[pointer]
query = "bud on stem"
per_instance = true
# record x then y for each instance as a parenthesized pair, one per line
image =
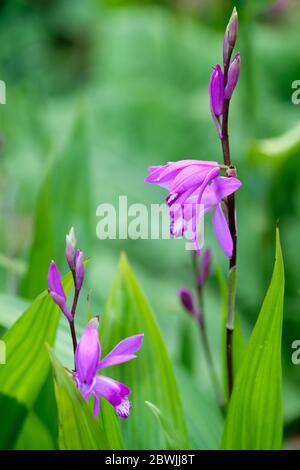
(71, 245)
(233, 76)
(230, 37)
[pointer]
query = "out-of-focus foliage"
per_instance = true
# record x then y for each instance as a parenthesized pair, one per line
(150, 377)
(95, 94)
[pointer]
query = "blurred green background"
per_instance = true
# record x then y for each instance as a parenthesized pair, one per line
(99, 90)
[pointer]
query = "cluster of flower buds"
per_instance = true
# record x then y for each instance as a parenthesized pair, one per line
(75, 261)
(222, 84)
(185, 295)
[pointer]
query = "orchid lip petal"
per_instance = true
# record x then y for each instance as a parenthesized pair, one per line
(115, 393)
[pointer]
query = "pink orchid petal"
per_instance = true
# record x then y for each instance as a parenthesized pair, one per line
(123, 352)
(224, 186)
(190, 176)
(222, 232)
(88, 353)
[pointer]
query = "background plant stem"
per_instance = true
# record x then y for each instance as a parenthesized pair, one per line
(204, 338)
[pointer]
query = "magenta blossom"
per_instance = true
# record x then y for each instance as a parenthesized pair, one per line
(88, 363)
(196, 188)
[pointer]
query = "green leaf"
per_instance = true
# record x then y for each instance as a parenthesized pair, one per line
(172, 436)
(34, 435)
(13, 414)
(203, 416)
(27, 361)
(254, 420)
(278, 149)
(78, 428)
(111, 425)
(53, 221)
(150, 376)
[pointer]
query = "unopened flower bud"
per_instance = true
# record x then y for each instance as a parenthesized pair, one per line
(216, 91)
(56, 290)
(233, 76)
(71, 245)
(79, 269)
(205, 267)
(230, 36)
(186, 299)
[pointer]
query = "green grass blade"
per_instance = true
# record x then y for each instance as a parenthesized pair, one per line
(254, 420)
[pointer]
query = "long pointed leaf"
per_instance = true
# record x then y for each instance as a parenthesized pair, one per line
(254, 420)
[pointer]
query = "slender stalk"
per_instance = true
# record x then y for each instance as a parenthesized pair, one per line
(204, 338)
(233, 232)
(73, 312)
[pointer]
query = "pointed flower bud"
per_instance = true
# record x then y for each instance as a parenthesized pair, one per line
(56, 290)
(186, 299)
(71, 245)
(233, 76)
(216, 91)
(79, 269)
(230, 36)
(204, 268)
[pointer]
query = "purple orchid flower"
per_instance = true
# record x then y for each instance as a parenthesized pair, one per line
(88, 363)
(191, 184)
(56, 290)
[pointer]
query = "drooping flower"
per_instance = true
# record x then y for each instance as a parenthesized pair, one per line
(196, 188)
(56, 290)
(88, 363)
